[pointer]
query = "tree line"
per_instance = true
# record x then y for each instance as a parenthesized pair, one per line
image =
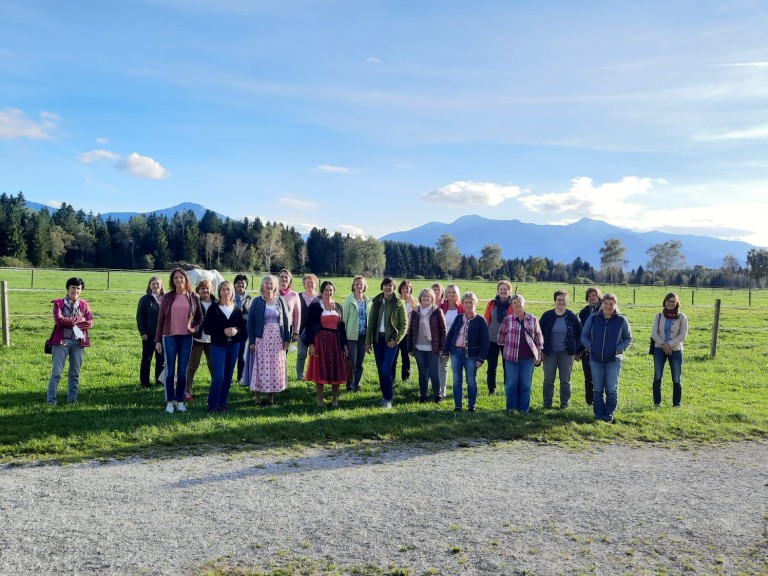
(70, 238)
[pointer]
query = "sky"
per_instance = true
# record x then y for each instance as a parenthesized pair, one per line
(369, 117)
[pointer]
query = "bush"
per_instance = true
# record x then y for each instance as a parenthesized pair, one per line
(11, 262)
(502, 277)
(478, 278)
(418, 277)
(529, 279)
(582, 280)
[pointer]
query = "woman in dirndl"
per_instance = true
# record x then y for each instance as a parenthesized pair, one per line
(326, 340)
(269, 335)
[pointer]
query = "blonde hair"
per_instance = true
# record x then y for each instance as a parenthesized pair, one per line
(427, 292)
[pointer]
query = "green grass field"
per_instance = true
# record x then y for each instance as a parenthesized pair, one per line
(723, 398)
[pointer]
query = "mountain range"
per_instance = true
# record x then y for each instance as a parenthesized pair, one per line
(198, 209)
(582, 239)
(565, 243)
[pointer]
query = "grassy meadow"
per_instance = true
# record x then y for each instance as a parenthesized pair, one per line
(724, 397)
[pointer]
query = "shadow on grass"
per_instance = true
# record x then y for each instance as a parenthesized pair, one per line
(125, 420)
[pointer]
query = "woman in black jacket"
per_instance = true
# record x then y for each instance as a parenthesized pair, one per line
(562, 340)
(326, 339)
(146, 320)
(225, 324)
(594, 297)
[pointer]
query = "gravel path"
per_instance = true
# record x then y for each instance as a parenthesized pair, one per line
(509, 508)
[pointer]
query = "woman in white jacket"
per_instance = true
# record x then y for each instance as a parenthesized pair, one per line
(669, 331)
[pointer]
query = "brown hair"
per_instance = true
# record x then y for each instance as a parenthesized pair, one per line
(187, 281)
(149, 289)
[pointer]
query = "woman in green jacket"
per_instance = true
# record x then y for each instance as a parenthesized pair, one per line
(387, 326)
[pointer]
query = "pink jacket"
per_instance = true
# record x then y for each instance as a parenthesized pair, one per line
(84, 322)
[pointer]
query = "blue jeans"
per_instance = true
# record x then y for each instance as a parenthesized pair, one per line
(67, 349)
(427, 362)
(517, 384)
(176, 347)
(384, 357)
(223, 362)
(460, 362)
(605, 378)
(676, 367)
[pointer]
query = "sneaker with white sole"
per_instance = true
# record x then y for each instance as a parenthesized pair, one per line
(180, 407)
(169, 407)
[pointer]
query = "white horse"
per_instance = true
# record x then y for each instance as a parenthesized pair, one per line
(197, 274)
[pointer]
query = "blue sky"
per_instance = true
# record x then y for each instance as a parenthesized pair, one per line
(371, 117)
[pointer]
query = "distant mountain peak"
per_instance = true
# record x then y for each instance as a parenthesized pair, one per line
(564, 243)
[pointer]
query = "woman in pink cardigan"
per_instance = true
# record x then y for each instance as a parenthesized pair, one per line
(72, 319)
(181, 314)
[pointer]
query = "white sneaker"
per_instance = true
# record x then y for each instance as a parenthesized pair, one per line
(169, 407)
(386, 405)
(180, 407)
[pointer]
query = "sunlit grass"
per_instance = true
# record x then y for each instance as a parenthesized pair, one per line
(723, 398)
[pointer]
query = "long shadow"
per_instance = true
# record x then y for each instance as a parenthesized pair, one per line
(134, 417)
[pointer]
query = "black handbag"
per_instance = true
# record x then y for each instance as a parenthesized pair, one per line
(48, 348)
(652, 345)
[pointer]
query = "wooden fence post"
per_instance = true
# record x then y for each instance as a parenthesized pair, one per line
(715, 328)
(6, 323)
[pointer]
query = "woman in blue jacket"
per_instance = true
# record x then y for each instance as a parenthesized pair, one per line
(606, 336)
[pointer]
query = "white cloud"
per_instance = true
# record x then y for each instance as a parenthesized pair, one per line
(299, 203)
(53, 204)
(102, 140)
(373, 60)
(713, 209)
(15, 124)
(144, 167)
(328, 168)
(304, 228)
(744, 65)
(756, 133)
(93, 155)
(603, 202)
(351, 230)
(471, 193)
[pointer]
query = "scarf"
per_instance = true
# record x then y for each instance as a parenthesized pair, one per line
(285, 292)
(671, 314)
(69, 310)
(425, 314)
(501, 308)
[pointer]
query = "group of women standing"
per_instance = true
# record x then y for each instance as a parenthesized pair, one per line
(437, 327)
